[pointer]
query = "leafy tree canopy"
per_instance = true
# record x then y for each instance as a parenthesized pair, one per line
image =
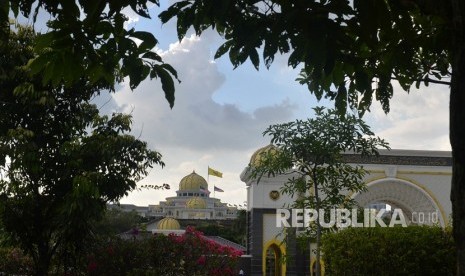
(61, 161)
(88, 39)
(348, 51)
(116, 221)
(314, 150)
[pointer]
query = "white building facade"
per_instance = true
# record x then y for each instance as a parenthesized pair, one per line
(417, 182)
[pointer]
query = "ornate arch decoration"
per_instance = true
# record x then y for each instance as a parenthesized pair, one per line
(412, 198)
(279, 251)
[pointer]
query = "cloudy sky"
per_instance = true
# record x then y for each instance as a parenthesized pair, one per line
(220, 113)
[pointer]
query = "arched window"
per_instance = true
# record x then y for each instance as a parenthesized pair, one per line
(273, 261)
(313, 267)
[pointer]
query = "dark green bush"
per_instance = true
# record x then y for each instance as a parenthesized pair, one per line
(413, 250)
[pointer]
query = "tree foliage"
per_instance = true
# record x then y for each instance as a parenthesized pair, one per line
(89, 39)
(348, 51)
(314, 149)
(61, 161)
(116, 221)
(236, 232)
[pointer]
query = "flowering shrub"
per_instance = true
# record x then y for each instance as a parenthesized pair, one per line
(187, 254)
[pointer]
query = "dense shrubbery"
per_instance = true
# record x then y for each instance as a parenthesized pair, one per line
(188, 254)
(414, 250)
(13, 261)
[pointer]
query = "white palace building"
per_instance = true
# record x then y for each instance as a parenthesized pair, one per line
(192, 201)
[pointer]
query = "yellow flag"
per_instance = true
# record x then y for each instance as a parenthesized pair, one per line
(214, 172)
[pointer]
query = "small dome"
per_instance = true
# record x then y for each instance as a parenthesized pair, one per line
(196, 203)
(192, 182)
(168, 224)
(259, 154)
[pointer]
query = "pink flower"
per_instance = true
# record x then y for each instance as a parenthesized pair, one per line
(202, 260)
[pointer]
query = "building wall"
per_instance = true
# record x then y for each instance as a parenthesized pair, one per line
(427, 172)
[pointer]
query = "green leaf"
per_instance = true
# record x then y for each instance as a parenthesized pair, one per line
(296, 57)
(173, 11)
(43, 41)
(148, 40)
(170, 69)
(140, 9)
(167, 83)
(338, 73)
(74, 71)
(93, 9)
(254, 58)
(134, 68)
(223, 49)
(58, 70)
(341, 100)
(105, 28)
(365, 102)
(37, 64)
(152, 55)
(269, 51)
(48, 73)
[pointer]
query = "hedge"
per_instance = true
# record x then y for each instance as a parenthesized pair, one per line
(413, 250)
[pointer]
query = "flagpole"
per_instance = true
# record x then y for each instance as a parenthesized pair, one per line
(208, 178)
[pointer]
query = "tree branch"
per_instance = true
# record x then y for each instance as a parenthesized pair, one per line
(429, 80)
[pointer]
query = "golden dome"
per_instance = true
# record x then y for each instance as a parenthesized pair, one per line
(260, 154)
(196, 203)
(168, 224)
(192, 182)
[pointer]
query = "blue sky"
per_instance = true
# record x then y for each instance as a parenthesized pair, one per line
(220, 113)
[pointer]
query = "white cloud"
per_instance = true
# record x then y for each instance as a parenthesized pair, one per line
(196, 121)
(132, 16)
(417, 120)
(198, 132)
